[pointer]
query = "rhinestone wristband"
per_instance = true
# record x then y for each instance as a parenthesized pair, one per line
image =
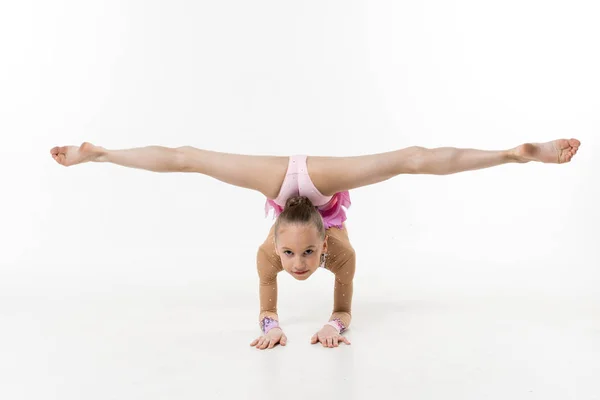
(338, 325)
(266, 324)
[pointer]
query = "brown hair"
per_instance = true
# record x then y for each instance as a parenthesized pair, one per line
(300, 210)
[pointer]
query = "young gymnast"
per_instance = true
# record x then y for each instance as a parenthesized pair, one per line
(308, 196)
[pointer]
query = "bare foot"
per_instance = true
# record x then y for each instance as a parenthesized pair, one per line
(557, 151)
(71, 155)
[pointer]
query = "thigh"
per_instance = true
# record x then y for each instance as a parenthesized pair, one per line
(331, 175)
(264, 174)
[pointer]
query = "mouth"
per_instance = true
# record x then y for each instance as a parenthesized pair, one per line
(301, 272)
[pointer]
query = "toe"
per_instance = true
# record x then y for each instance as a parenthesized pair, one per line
(564, 144)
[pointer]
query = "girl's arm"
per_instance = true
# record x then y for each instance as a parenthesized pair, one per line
(330, 334)
(342, 295)
(341, 261)
(267, 274)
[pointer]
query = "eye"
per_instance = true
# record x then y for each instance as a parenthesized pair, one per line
(309, 251)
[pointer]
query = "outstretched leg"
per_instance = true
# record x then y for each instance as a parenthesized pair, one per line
(335, 174)
(264, 174)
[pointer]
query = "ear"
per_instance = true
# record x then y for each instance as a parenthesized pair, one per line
(325, 246)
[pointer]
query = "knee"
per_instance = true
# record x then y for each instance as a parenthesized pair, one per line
(182, 159)
(415, 159)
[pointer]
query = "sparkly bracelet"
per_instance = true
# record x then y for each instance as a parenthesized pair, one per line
(266, 324)
(338, 325)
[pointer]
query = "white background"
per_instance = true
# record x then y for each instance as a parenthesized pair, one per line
(125, 284)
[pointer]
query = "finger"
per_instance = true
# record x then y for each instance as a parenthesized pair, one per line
(272, 343)
(344, 339)
(335, 341)
(54, 150)
(265, 343)
(323, 341)
(283, 340)
(329, 342)
(254, 342)
(313, 339)
(260, 342)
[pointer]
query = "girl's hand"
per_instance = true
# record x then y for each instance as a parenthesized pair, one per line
(269, 340)
(329, 337)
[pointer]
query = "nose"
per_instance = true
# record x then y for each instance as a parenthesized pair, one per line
(299, 267)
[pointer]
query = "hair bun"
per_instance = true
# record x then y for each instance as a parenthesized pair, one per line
(300, 210)
(297, 201)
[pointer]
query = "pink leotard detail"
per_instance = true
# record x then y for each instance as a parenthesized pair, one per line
(297, 182)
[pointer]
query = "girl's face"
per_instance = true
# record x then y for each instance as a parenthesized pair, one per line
(300, 247)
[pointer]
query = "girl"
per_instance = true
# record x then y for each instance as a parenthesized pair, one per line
(308, 196)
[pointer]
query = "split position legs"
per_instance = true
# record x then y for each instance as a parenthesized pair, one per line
(265, 174)
(335, 174)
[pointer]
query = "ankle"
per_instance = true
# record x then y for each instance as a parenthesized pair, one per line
(514, 155)
(101, 155)
(511, 155)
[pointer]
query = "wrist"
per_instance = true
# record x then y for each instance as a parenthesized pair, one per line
(337, 324)
(268, 323)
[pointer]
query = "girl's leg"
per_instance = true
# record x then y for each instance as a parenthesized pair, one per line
(335, 174)
(264, 174)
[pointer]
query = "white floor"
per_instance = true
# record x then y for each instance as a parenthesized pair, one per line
(193, 343)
